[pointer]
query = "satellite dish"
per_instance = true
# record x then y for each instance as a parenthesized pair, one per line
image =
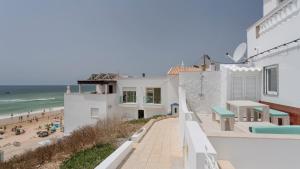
(239, 52)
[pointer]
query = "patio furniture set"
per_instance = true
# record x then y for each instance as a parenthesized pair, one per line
(253, 111)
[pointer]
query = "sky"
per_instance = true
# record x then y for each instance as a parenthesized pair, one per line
(61, 41)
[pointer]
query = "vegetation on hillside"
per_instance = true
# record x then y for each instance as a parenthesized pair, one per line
(103, 133)
(89, 158)
(144, 120)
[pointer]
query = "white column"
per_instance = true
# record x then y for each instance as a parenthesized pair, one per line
(79, 88)
(98, 89)
(105, 88)
(68, 90)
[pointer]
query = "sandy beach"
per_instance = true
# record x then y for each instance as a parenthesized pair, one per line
(31, 123)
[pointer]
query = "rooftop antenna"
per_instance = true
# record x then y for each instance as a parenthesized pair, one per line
(239, 52)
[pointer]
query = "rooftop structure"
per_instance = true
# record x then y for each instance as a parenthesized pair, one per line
(180, 69)
(101, 78)
(121, 98)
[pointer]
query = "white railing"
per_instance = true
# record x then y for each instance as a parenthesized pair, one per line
(117, 157)
(276, 17)
(201, 154)
(210, 162)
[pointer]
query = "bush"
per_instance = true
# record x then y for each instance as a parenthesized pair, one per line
(143, 121)
(103, 133)
(89, 158)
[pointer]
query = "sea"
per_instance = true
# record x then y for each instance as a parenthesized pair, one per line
(20, 99)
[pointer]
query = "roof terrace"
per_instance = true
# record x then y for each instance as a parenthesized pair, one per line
(241, 129)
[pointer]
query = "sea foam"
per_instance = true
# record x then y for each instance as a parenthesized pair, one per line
(26, 100)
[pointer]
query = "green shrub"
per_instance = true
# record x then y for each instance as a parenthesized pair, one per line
(143, 121)
(139, 121)
(104, 132)
(89, 158)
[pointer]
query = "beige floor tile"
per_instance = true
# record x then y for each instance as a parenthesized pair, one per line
(159, 148)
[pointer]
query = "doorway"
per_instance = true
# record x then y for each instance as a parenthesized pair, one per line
(140, 114)
(174, 108)
(110, 89)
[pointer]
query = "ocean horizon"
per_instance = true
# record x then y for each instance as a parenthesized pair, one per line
(16, 99)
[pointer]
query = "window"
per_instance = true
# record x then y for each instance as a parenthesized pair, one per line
(153, 95)
(271, 80)
(94, 113)
(129, 95)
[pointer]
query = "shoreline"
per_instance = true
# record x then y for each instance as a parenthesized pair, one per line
(31, 124)
(7, 119)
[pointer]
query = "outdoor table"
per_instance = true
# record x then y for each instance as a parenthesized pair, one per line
(239, 107)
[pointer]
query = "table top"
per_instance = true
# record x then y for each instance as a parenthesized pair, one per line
(246, 103)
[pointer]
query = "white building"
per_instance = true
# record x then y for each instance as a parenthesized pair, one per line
(274, 46)
(270, 76)
(122, 98)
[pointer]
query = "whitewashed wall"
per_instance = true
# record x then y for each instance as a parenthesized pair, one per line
(78, 109)
(280, 33)
(173, 84)
(258, 153)
(211, 90)
(289, 82)
(131, 110)
(286, 57)
(112, 109)
(269, 5)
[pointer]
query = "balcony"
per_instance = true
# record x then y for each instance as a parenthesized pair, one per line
(276, 17)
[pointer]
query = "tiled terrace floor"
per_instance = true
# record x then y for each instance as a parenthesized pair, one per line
(159, 149)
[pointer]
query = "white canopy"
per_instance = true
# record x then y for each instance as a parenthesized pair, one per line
(236, 68)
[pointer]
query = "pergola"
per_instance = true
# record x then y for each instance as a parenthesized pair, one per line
(99, 80)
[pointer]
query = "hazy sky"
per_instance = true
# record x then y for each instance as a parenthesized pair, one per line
(61, 41)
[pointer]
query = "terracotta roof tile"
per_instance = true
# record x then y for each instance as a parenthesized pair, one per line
(177, 69)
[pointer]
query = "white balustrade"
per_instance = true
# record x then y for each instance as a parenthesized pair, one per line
(275, 18)
(199, 153)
